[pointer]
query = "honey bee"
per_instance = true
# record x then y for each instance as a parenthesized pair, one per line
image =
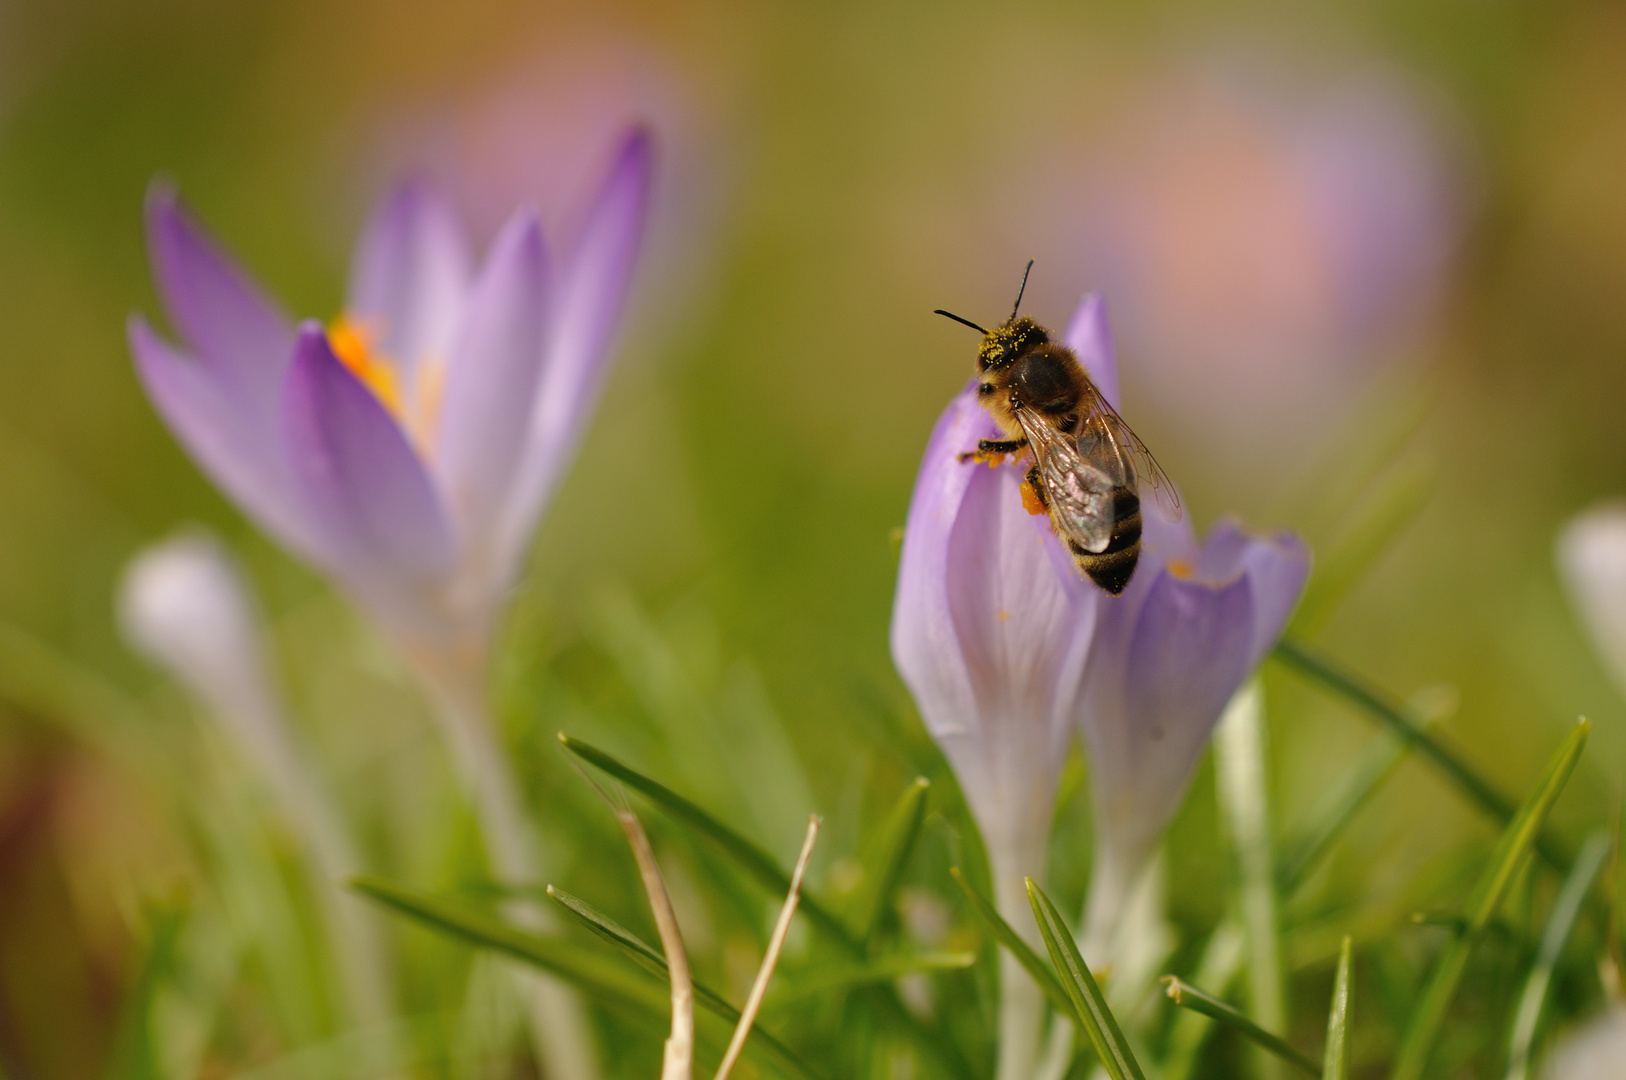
(1088, 470)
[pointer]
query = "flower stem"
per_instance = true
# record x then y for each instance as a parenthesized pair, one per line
(559, 1027)
(352, 927)
(1242, 778)
(1021, 1002)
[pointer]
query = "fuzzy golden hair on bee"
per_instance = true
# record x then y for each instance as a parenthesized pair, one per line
(1087, 470)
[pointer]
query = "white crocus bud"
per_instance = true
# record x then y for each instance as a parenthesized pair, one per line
(184, 605)
(1592, 561)
(1594, 1051)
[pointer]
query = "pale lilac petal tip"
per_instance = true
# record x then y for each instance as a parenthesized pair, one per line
(594, 283)
(1090, 336)
(218, 311)
(410, 274)
(1278, 566)
(591, 292)
(208, 421)
(491, 379)
(364, 485)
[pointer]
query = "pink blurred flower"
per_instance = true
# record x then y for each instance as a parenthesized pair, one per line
(1265, 246)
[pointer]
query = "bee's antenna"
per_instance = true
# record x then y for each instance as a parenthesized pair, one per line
(956, 318)
(1023, 289)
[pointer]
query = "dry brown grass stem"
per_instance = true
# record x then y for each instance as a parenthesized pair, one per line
(679, 1059)
(759, 988)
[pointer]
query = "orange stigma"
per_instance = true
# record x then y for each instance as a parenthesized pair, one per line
(352, 341)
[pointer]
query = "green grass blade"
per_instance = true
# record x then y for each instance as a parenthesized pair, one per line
(137, 1051)
(1335, 1062)
(1189, 997)
(610, 984)
(1091, 1008)
(807, 984)
(1307, 661)
(1221, 962)
(750, 858)
(639, 994)
(885, 862)
(1516, 842)
(1303, 849)
(766, 871)
(1397, 498)
(1560, 921)
(1003, 933)
(636, 949)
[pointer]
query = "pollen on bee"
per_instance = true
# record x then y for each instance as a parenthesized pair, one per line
(1031, 501)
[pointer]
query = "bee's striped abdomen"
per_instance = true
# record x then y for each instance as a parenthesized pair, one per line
(1112, 568)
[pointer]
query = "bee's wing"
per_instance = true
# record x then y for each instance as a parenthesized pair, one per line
(1106, 441)
(1077, 492)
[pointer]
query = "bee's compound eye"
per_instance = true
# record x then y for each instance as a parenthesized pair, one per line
(985, 389)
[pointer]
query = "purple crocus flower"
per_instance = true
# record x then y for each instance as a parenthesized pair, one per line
(991, 629)
(1006, 648)
(408, 448)
(1169, 654)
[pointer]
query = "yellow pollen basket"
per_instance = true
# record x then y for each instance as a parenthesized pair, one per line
(354, 342)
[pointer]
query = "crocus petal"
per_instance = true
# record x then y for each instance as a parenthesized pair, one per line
(364, 485)
(1188, 655)
(592, 289)
(230, 447)
(410, 275)
(1592, 561)
(1023, 640)
(1278, 567)
(491, 378)
(925, 646)
(988, 635)
(1090, 337)
(230, 325)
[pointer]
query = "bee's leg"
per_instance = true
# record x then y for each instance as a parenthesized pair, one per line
(1033, 496)
(992, 450)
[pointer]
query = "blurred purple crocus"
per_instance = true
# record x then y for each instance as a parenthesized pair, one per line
(408, 448)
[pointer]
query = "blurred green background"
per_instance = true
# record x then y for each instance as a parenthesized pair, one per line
(830, 174)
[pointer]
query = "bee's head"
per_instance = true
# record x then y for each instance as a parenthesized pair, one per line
(1003, 344)
(1011, 339)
